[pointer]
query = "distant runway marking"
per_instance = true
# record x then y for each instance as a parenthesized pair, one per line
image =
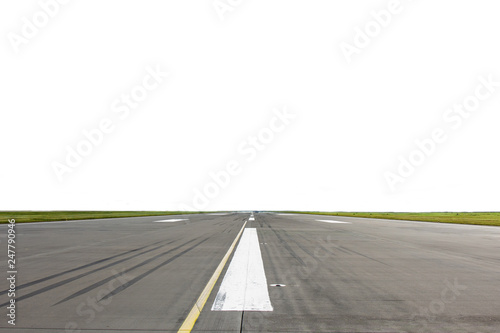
(69, 221)
(331, 221)
(108, 219)
(193, 315)
(244, 287)
(172, 220)
(218, 214)
(54, 222)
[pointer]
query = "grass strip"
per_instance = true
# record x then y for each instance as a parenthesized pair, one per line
(46, 216)
(476, 218)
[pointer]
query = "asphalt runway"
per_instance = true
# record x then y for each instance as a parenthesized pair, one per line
(268, 272)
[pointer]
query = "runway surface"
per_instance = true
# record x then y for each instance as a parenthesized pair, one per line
(285, 273)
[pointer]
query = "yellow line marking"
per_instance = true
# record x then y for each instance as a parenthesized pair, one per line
(193, 315)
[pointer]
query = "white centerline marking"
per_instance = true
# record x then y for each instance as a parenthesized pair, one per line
(244, 287)
(172, 220)
(331, 221)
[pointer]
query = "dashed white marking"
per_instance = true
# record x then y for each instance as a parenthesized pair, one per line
(244, 287)
(331, 221)
(172, 220)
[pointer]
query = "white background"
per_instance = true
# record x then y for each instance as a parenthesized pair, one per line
(352, 121)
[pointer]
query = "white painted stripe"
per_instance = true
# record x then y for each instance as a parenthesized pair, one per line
(109, 219)
(190, 321)
(244, 287)
(172, 220)
(74, 221)
(331, 221)
(55, 222)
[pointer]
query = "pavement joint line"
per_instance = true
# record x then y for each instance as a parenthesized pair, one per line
(193, 315)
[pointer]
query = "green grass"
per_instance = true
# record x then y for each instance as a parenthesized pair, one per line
(478, 218)
(43, 216)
